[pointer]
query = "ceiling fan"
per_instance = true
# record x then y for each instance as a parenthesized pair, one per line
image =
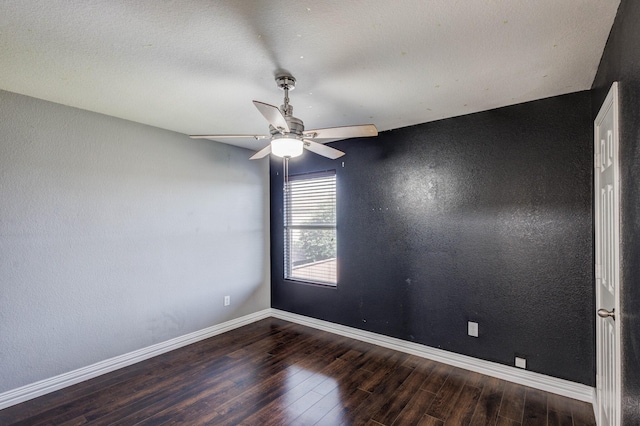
(288, 137)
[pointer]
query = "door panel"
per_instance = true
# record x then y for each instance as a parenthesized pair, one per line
(606, 197)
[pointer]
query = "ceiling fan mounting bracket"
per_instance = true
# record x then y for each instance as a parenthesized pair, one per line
(286, 82)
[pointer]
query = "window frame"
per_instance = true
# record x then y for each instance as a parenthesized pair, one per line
(288, 227)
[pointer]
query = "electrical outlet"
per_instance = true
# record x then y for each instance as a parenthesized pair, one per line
(227, 300)
(521, 362)
(472, 329)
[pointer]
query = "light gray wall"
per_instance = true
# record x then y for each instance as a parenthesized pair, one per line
(115, 236)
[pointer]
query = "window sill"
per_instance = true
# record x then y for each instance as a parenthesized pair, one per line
(309, 283)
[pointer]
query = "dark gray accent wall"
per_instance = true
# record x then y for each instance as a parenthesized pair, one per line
(485, 218)
(621, 62)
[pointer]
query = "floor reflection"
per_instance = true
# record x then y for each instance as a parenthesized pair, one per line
(309, 395)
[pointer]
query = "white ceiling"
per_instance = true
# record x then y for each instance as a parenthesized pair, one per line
(194, 66)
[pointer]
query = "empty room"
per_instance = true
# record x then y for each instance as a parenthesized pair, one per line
(320, 213)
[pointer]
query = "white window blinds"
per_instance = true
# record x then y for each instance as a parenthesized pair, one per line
(310, 228)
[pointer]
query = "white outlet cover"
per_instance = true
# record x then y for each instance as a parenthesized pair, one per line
(521, 362)
(227, 300)
(472, 329)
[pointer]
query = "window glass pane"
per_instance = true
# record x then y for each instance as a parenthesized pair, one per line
(313, 255)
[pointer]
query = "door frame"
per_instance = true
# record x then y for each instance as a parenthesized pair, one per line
(610, 102)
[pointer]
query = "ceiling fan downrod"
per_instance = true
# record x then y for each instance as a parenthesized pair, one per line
(286, 83)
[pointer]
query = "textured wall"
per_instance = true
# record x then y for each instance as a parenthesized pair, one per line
(485, 217)
(115, 236)
(621, 62)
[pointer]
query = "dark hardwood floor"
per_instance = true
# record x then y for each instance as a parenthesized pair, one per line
(277, 373)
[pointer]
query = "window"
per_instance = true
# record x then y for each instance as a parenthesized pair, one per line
(310, 249)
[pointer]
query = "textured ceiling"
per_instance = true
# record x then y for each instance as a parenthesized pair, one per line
(194, 66)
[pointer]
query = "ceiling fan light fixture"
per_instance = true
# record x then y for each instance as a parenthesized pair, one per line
(288, 137)
(286, 147)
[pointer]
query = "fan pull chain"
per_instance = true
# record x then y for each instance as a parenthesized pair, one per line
(285, 165)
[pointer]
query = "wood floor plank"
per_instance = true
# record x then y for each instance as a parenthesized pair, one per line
(414, 361)
(488, 406)
(427, 420)
(512, 405)
(378, 357)
(415, 408)
(465, 406)
(582, 413)
(292, 411)
(114, 397)
(437, 378)
(244, 378)
(387, 387)
(474, 379)
(332, 375)
(559, 419)
(503, 421)
(44, 403)
(393, 406)
(350, 356)
(340, 413)
(156, 399)
(535, 408)
(442, 406)
(276, 372)
(182, 408)
(351, 396)
(559, 404)
(385, 364)
(286, 407)
(258, 396)
(188, 389)
(320, 409)
(139, 385)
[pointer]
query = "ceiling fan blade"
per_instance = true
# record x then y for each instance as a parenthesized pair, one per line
(273, 115)
(324, 150)
(262, 153)
(362, 131)
(256, 137)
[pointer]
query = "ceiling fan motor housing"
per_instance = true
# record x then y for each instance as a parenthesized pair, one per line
(295, 125)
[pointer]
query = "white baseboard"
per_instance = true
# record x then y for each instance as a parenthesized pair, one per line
(512, 374)
(34, 390)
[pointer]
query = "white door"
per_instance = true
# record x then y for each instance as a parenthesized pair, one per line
(607, 190)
